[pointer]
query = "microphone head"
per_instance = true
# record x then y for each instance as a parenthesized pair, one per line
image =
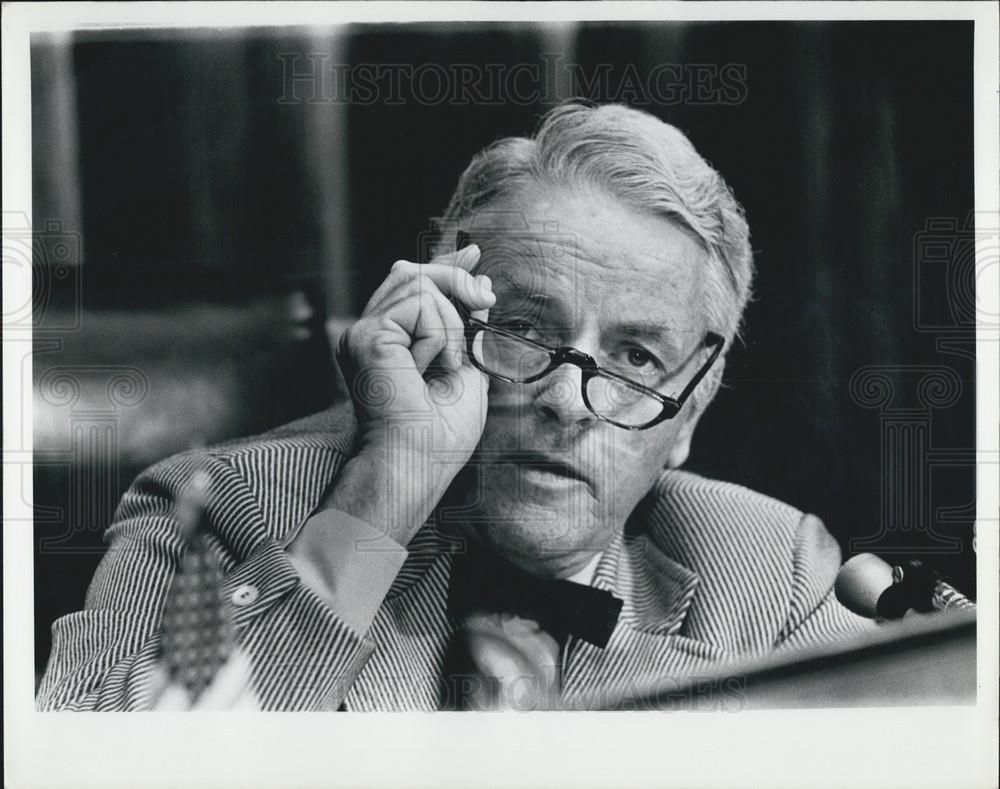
(860, 583)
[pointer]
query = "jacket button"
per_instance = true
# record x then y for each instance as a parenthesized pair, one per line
(245, 595)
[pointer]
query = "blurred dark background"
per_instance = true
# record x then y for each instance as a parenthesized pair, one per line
(212, 207)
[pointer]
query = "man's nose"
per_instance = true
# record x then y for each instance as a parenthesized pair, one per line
(560, 398)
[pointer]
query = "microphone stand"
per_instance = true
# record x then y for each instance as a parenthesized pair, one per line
(917, 586)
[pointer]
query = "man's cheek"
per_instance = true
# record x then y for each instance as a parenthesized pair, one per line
(509, 430)
(636, 462)
(499, 434)
(654, 445)
(505, 417)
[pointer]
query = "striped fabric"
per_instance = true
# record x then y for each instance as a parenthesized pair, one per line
(709, 572)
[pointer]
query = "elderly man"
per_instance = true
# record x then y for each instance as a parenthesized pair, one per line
(502, 501)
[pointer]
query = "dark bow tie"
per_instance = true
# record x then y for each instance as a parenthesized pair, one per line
(483, 582)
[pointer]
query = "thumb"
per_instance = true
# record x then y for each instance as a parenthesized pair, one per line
(465, 258)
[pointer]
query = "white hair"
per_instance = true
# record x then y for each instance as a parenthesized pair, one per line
(641, 161)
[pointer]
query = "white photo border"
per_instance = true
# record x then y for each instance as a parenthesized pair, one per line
(932, 746)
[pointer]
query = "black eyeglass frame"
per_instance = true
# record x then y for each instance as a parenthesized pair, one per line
(591, 369)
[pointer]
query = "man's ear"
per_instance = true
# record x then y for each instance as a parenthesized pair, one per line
(682, 443)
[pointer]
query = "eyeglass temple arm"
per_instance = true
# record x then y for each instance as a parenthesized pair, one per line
(711, 340)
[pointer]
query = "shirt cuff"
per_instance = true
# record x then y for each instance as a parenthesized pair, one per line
(348, 563)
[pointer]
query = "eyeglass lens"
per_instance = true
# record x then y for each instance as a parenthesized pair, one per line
(518, 361)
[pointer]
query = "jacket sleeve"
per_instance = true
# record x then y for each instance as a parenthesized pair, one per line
(303, 656)
(815, 615)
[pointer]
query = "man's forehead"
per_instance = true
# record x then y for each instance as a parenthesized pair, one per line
(581, 252)
(543, 263)
(636, 306)
(589, 225)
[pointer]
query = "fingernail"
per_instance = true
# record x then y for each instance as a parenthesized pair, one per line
(485, 283)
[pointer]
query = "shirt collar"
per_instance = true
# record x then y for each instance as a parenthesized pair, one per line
(585, 575)
(657, 590)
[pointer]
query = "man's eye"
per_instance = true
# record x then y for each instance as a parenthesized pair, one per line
(639, 358)
(517, 327)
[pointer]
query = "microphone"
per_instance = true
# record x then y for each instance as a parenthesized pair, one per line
(872, 588)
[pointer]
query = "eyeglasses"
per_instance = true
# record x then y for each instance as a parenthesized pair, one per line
(611, 397)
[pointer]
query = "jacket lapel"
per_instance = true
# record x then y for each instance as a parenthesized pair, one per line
(647, 646)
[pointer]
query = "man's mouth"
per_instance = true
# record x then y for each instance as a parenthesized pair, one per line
(539, 464)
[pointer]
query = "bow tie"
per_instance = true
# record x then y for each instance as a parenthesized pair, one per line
(483, 582)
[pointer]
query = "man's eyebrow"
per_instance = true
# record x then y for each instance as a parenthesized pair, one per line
(652, 331)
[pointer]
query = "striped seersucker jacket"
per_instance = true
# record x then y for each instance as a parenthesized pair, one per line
(714, 573)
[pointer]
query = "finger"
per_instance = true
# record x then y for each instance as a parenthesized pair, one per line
(453, 354)
(394, 325)
(466, 258)
(455, 281)
(427, 343)
(484, 314)
(428, 323)
(454, 328)
(413, 318)
(229, 686)
(447, 327)
(435, 332)
(400, 273)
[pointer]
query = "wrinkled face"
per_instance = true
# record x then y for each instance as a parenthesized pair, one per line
(551, 483)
